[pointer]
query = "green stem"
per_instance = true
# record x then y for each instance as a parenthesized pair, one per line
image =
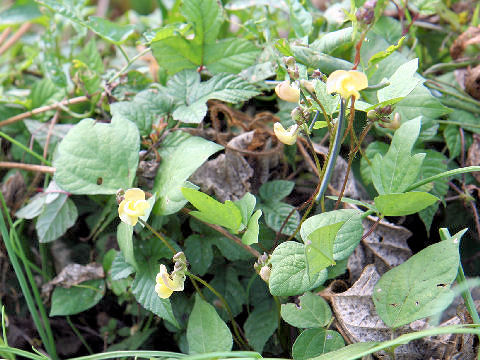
(79, 335)
(225, 304)
(451, 93)
(23, 353)
(124, 53)
(129, 62)
(145, 354)
(26, 149)
(467, 296)
(337, 142)
(158, 235)
(442, 175)
(45, 333)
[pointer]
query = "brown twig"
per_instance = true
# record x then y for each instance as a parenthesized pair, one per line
(225, 233)
(49, 134)
(5, 34)
(42, 109)
(14, 38)
(372, 229)
(28, 167)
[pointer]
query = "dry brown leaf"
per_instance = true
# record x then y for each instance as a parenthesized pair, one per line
(358, 321)
(13, 189)
(473, 155)
(468, 37)
(386, 247)
(472, 82)
(74, 274)
(228, 175)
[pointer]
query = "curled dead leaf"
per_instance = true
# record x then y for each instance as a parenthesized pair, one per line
(468, 37)
(74, 274)
(472, 82)
(386, 247)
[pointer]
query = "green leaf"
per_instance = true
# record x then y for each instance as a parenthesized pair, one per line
(347, 237)
(420, 102)
(199, 253)
(319, 248)
(110, 31)
(45, 92)
(146, 108)
(402, 82)
(143, 288)
(230, 56)
(213, 211)
(206, 331)
(226, 282)
(19, 14)
(246, 205)
(289, 275)
(385, 53)
(328, 101)
(300, 19)
(78, 298)
(33, 208)
(120, 268)
(373, 148)
(320, 125)
(398, 169)
(420, 287)
(125, 243)
(175, 52)
(275, 214)
(434, 163)
(404, 204)
(452, 138)
(313, 312)
(316, 60)
(261, 324)
(56, 218)
(181, 156)
(314, 342)
(333, 40)
(191, 96)
(40, 131)
(251, 235)
(276, 190)
(97, 158)
(88, 67)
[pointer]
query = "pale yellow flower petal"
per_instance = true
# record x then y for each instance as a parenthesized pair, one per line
(347, 83)
(287, 92)
(134, 194)
(132, 206)
(163, 291)
(288, 137)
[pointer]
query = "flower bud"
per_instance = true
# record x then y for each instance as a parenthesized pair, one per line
(265, 273)
(287, 92)
(372, 115)
(308, 85)
(290, 61)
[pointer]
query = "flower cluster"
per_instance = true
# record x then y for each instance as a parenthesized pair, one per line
(167, 283)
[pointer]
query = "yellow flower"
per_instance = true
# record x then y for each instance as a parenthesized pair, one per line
(288, 137)
(346, 83)
(287, 92)
(166, 285)
(132, 206)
